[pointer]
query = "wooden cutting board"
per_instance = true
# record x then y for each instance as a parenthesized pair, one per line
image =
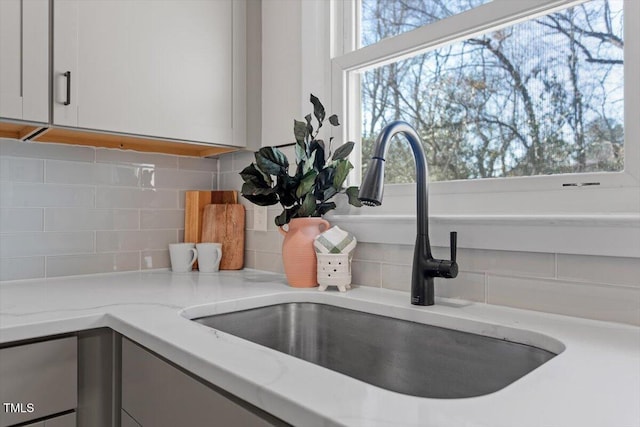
(194, 203)
(225, 224)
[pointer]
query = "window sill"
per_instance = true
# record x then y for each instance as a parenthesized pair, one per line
(604, 235)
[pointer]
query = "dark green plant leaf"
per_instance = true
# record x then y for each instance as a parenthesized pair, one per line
(317, 147)
(248, 189)
(262, 200)
(329, 193)
(285, 216)
(309, 125)
(286, 186)
(343, 151)
(255, 176)
(342, 170)
(325, 178)
(318, 110)
(333, 119)
(323, 208)
(271, 161)
(306, 184)
(299, 131)
(308, 207)
(352, 194)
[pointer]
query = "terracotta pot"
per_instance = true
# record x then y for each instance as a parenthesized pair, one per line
(298, 254)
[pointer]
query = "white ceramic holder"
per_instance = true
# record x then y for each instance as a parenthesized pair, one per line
(334, 270)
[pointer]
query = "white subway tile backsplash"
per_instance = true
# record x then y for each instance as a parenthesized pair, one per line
(366, 273)
(180, 179)
(396, 277)
(20, 219)
(151, 219)
(139, 198)
(19, 169)
(68, 265)
(22, 194)
(120, 241)
(269, 261)
(198, 164)
(154, 259)
(21, 268)
(61, 172)
(127, 157)
(263, 241)
(70, 219)
(37, 244)
(614, 303)
(15, 148)
(595, 269)
(467, 286)
(369, 251)
(507, 262)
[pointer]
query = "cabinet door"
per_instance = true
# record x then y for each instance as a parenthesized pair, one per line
(163, 68)
(24, 60)
(158, 395)
(38, 380)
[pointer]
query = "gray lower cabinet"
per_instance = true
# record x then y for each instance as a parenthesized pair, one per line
(67, 420)
(39, 380)
(157, 394)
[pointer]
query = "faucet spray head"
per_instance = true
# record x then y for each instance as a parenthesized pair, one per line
(372, 186)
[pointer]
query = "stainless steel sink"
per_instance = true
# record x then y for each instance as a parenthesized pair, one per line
(398, 355)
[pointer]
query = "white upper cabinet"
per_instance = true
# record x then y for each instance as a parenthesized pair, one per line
(24, 60)
(161, 68)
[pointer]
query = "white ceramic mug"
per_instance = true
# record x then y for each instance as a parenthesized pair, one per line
(209, 256)
(183, 256)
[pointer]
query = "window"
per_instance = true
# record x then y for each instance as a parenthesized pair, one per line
(513, 100)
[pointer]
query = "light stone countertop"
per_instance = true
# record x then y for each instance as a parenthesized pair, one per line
(594, 381)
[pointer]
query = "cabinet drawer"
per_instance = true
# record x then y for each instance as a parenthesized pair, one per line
(38, 380)
(67, 420)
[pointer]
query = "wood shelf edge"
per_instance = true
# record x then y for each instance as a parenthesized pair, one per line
(125, 142)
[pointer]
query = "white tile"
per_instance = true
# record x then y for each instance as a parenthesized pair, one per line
(34, 244)
(70, 219)
(595, 269)
(69, 265)
(60, 172)
(230, 181)
(21, 268)
(365, 273)
(249, 259)
(613, 303)
(269, 262)
(467, 286)
(225, 162)
(369, 251)
(180, 179)
(506, 262)
(241, 159)
(15, 148)
(118, 241)
(21, 194)
(20, 219)
(116, 197)
(198, 164)
(154, 259)
(19, 169)
(127, 157)
(263, 241)
(150, 219)
(397, 254)
(396, 277)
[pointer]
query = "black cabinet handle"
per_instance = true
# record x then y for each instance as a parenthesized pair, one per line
(68, 76)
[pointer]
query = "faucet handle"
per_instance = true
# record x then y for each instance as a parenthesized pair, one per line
(453, 244)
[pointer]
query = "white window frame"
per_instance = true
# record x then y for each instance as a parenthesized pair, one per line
(557, 212)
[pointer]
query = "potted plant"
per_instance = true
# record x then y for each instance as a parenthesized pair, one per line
(305, 195)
